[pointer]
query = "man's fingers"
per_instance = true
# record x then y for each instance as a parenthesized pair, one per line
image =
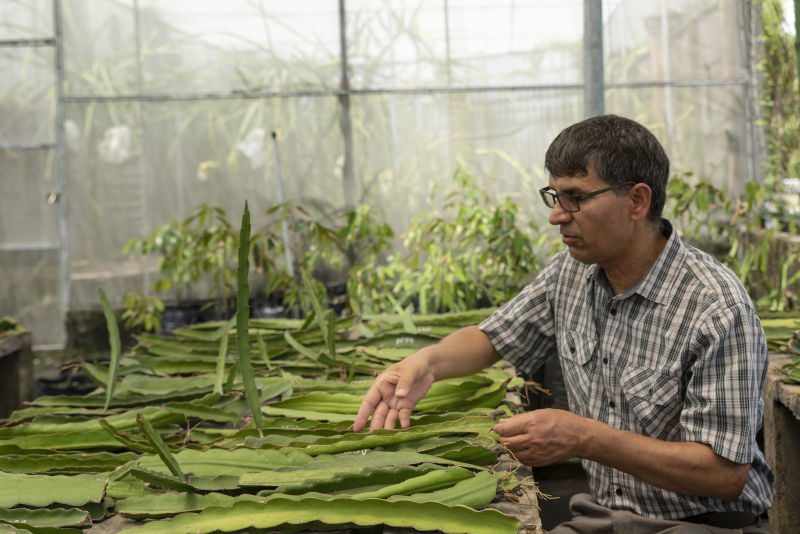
(518, 446)
(363, 414)
(359, 423)
(390, 390)
(378, 416)
(506, 427)
(391, 420)
(404, 382)
(512, 442)
(405, 417)
(517, 424)
(370, 401)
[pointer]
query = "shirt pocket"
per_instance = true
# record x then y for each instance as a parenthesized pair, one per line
(654, 399)
(576, 352)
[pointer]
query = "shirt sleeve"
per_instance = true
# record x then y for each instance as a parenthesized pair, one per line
(522, 331)
(724, 404)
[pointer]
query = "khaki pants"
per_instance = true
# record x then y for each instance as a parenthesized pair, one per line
(588, 517)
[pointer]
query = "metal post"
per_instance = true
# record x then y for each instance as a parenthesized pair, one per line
(797, 33)
(344, 120)
(451, 107)
(287, 243)
(593, 88)
(665, 42)
(61, 160)
(282, 198)
(143, 211)
(749, 17)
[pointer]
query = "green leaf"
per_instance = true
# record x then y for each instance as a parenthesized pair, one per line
(232, 374)
(408, 322)
(7, 528)
(96, 373)
(353, 482)
(202, 412)
(129, 441)
(95, 401)
(114, 342)
(44, 517)
(43, 490)
(355, 441)
(154, 438)
(222, 355)
(478, 490)
(53, 463)
(215, 462)
(431, 481)
(222, 331)
(242, 317)
(471, 454)
(308, 285)
(156, 415)
(167, 505)
(324, 467)
(262, 348)
(129, 487)
(162, 480)
(310, 354)
(330, 336)
(273, 386)
(65, 441)
(280, 510)
(411, 483)
(307, 414)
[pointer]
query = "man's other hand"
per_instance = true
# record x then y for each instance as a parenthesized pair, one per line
(543, 437)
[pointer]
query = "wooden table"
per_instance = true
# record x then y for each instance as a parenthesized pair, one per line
(782, 444)
(16, 372)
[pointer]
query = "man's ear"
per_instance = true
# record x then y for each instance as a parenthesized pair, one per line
(640, 195)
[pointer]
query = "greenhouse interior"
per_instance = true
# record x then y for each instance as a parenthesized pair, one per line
(214, 316)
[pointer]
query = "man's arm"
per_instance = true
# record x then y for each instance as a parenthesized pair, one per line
(464, 352)
(399, 388)
(543, 437)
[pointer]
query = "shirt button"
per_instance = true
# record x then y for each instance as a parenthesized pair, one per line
(605, 360)
(612, 403)
(618, 491)
(613, 311)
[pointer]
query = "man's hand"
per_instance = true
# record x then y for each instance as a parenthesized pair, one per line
(543, 437)
(400, 387)
(395, 393)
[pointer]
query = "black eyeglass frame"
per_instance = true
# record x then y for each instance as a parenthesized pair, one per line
(550, 198)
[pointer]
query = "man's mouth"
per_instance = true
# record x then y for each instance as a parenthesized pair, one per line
(569, 239)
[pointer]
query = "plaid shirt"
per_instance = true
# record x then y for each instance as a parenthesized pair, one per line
(680, 357)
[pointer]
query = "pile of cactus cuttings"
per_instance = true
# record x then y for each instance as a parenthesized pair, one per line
(169, 439)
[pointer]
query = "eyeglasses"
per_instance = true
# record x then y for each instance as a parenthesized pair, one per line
(570, 203)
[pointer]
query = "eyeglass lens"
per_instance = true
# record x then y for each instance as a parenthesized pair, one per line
(568, 202)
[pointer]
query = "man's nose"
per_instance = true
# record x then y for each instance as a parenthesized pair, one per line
(558, 215)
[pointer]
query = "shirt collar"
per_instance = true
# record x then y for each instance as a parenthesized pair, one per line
(656, 283)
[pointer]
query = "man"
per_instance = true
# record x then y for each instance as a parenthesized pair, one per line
(662, 353)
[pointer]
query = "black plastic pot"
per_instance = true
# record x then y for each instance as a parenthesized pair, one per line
(178, 316)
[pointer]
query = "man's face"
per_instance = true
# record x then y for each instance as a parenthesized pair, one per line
(601, 231)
